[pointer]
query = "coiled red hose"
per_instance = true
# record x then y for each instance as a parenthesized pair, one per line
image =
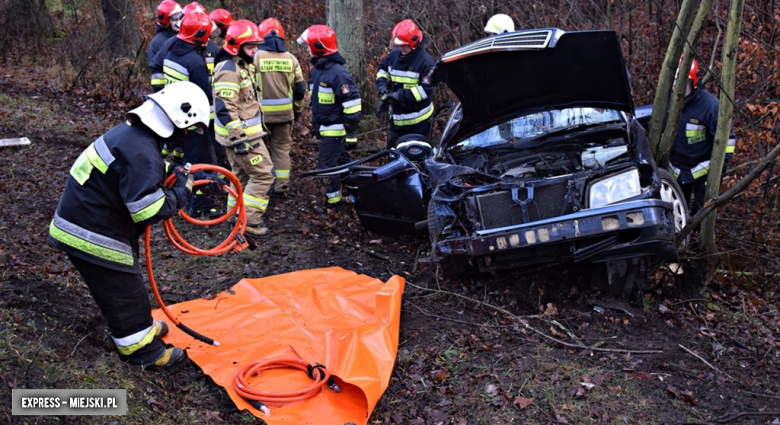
(234, 241)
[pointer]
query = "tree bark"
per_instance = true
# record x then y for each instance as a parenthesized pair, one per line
(725, 111)
(666, 79)
(121, 30)
(346, 19)
(673, 118)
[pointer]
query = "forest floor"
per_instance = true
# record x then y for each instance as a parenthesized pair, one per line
(464, 356)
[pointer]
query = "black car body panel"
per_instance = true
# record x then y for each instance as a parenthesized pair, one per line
(516, 76)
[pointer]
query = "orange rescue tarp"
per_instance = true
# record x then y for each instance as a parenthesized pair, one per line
(346, 321)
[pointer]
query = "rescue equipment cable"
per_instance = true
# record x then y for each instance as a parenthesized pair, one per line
(255, 397)
(235, 240)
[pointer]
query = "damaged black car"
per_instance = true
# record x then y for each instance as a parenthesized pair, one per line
(541, 162)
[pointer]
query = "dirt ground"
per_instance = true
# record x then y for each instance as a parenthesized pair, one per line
(504, 348)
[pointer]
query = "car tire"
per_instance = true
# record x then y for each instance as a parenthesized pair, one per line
(454, 267)
(671, 192)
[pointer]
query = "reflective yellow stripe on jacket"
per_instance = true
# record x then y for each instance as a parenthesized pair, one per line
(94, 244)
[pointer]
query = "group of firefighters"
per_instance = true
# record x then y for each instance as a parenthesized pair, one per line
(227, 92)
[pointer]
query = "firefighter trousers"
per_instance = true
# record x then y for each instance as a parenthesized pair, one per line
(124, 302)
(696, 188)
(332, 154)
(255, 171)
(279, 143)
(394, 132)
(198, 150)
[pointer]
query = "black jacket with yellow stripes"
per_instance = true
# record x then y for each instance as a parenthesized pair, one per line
(115, 189)
(335, 99)
(409, 76)
(689, 159)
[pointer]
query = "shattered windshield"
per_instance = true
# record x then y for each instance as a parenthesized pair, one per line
(538, 124)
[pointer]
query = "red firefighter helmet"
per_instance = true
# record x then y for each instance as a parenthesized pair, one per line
(692, 74)
(270, 25)
(195, 28)
(241, 32)
(321, 40)
(222, 18)
(165, 10)
(195, 7)
(407, 33)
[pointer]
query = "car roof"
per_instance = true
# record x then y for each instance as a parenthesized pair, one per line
(512, 74)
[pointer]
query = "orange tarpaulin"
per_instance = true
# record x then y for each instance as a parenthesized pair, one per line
(345, 321)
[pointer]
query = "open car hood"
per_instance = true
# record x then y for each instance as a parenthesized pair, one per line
(512, 74)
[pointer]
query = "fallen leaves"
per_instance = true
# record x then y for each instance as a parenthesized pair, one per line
(686, 396)
(639, 376)
(523, 402)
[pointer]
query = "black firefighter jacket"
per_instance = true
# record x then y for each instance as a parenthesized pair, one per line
(178, 60)
(115, 189)
(689, 159)
(161, 35)
(335, 99)
(409, 77)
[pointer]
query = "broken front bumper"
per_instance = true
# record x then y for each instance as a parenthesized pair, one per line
(643, 227)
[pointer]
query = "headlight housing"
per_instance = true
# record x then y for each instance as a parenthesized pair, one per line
(615, 188)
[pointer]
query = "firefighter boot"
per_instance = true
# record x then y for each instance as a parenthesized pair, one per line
(170, 360)
(259, 229)
(160, 328)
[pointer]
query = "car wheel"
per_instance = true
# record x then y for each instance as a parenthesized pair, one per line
(453, 267)
(671, 192)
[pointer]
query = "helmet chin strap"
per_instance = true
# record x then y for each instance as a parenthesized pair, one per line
(244, 56)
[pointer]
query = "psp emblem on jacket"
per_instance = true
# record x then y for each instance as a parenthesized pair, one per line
(345, 89)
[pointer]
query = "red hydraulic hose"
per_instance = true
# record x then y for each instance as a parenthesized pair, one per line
(255, 397)
(235, 240)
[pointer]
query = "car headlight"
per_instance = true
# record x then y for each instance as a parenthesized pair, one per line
(615, 188)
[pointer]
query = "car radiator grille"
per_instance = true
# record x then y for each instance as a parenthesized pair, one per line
(497, 209)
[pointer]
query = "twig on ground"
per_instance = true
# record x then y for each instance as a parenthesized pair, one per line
(449, 319)
(33, 359)
(570, 333)
(705, 362)
(699, 357)
(743, 414)
(688, 301)
(525, 324)
(759, 394)
(366, 250)
(77, 344)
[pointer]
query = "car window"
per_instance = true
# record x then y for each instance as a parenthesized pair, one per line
(538, 124)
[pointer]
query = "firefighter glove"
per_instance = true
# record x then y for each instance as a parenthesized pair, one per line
(395, 97)
(384, 107)
(350, 142)
(242, 148)
(213, 187)
(382, 89)
(184, 180)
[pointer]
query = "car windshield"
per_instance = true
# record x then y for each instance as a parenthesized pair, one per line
(532, 126)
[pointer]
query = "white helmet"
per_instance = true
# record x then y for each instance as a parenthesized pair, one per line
(182, 104)
(499, 24)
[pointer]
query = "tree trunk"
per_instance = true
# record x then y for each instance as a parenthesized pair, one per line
(673, 117)
(346, 18)
(28, 33)
(121, 30)
(666, 79)
(725, 111)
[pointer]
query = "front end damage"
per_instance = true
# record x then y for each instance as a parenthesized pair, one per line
(542, 207)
